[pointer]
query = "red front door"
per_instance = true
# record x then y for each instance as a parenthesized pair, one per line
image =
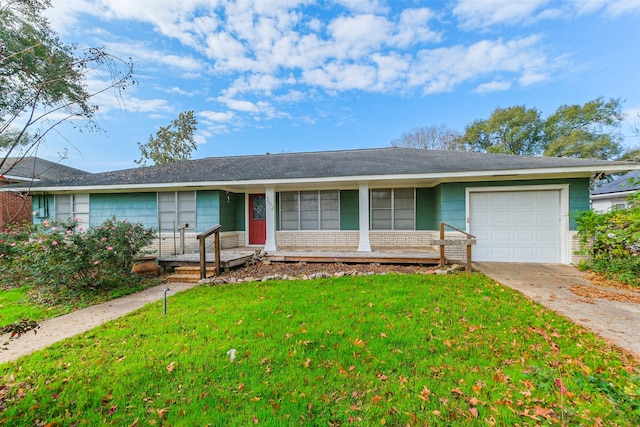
(257, 219)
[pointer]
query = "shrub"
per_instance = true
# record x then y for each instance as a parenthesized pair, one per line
(612, 240)
(60, 255)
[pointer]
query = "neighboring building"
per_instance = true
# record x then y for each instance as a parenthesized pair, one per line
(16, 207)
(520, 208)
(613, 195)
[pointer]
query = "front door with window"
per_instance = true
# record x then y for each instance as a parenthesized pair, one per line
(257, 219)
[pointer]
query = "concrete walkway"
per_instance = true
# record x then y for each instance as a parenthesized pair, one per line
(548, 285)
(77, 322)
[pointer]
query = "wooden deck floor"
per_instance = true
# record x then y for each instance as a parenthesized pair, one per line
(230, 258)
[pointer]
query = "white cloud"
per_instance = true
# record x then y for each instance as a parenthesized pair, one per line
(494, 86)
(609, 7)
(484, 13)
(442, 69)
(217, 116)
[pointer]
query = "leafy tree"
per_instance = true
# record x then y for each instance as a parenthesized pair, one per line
(172, 143)
(431, 138)
(588, 130)
(512, 130)
(42, 80)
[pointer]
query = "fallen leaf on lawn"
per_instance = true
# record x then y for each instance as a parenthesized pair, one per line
(376, 399)
(474, 401)
(425, 394)
(162, 412)
(544, 412)
(457, 391)
(112, 410)
(474, 412)
(307, 362)
(359, 343)
(254, 419)
(171, 366)
(135, 422)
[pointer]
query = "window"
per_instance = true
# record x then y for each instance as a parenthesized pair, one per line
(393, 209)
(72, 206)
(310, 210)
(176, 208)
(619, 206)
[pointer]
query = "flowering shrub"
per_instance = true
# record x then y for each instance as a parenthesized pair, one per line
(612, 240)
(55, 255)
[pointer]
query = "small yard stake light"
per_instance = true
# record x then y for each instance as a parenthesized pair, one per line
(165, 300)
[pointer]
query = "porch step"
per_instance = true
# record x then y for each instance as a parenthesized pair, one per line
(189, 274)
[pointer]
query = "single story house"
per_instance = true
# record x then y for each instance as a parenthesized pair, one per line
(521, 209)
(15, 207)
(613, 195)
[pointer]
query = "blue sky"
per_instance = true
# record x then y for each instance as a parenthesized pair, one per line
(303, 75)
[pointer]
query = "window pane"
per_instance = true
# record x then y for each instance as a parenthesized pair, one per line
(329, 210)
(186, 208)
(403, 224)
(63, 206)
(289, 210)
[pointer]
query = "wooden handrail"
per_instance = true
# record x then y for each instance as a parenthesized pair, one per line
(469, 241)
(203, 254)
(181, 229)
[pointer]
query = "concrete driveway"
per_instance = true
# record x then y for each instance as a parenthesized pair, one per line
(548, 285)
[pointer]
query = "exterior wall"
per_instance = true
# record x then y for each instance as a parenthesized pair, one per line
(170, 245)
(327, 239)
(135, 207)
(401, 240)
(451, 198)
(207, 210)
(605, 204)
(14, 208)
(349, 210)
(425, 209)
(575, 255)
(43, 208)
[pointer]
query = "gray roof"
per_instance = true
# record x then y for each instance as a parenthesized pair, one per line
(621, 184)
(327, 164)
(28, 168)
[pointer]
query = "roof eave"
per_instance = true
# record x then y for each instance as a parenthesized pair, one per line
(536, 173)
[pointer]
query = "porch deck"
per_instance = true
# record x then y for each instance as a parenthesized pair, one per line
(230, 258)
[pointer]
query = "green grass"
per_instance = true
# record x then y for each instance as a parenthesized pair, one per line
(383, 350)
(15, 305)
(23, 302)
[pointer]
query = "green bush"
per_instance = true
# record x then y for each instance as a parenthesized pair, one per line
(612, 240)
(57, 256)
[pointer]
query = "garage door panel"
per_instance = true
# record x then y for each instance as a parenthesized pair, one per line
(500, 216)
(523, 235)
(523, 217)
(516, 226)
(497, 235)
(524, 200)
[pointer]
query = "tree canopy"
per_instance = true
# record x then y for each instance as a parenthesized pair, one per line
(513, 130)
(588, 131)
(42, 79)
(172, 143)
(591, 130)
(431, 138)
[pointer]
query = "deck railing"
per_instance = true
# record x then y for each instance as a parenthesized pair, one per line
(215, 230)
(442, 242)
(181, 229)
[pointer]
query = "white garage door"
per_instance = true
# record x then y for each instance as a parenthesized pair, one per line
(516, 226)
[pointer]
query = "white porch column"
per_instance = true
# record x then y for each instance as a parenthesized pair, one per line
(363, 208)
(270, 202)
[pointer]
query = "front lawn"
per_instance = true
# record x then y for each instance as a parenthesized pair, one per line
(381, 350)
